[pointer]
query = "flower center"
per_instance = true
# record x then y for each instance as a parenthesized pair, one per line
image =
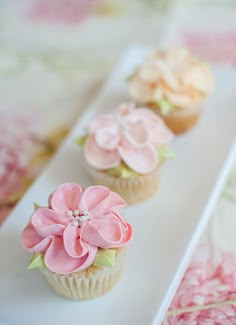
(79, 216)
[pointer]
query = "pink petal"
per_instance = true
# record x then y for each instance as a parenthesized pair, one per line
(106, 233)
(137, 133)
(57, 259)
(160, 134)
(98, 199)
(101, 122)
(48, 222)
(66, 197)
(158, 131)
(107, 138)
(94, 199)
(115, 202)
(32, 241)
(126, 108)
(98, 157)
(141, 159)
(73, 244)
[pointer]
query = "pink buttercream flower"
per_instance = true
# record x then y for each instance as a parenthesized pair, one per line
(75, 225)
(128, 134)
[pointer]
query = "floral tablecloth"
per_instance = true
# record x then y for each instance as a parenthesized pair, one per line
(54, 56)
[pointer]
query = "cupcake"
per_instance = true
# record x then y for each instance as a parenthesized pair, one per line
(174, 84)
(78, 241)
(124, 149)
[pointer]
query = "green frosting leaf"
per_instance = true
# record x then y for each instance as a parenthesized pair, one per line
(122, 170)
(37, 260)
(36, 206)
(165, 106)
(105, 257)
(164, 152)
(80, 140)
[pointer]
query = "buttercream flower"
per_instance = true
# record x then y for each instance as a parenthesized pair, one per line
(73, 227)
(129, 135)
(174, 84)
(173, 75)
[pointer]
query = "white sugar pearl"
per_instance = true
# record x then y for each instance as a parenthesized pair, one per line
(76, 212)
(75, 223)
(69, 213)
(77, 218)
(83, 218)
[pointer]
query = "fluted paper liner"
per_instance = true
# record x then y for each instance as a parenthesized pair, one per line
(181, 119)
(89, 283)
(132, 190)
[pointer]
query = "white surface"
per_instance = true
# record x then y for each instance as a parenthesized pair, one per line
(166, 227)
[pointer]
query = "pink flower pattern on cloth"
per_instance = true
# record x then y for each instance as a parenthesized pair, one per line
(75, 225)
(208, 282)
(220, 315)
(127, 134)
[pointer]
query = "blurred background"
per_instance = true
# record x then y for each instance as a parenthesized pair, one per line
(55, 55)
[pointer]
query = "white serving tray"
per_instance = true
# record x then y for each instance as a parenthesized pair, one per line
(167, 227)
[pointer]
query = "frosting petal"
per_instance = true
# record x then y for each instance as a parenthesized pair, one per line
(107, 138)
(103, 121)
(149, 73)
(141, 91)
(66, 197)
(136, 133)
(125, 109)
(32, 241)
(158, 131)
(98, 157)
(182, 99)
(198, 77)
(115, 202)
(74, 245)
(57, 259)
(142, 159)
(97, 199)
(107, 232)
(48, 222)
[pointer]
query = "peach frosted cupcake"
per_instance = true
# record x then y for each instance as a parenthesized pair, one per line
(78, 240)
(174, 84)
(124, 149)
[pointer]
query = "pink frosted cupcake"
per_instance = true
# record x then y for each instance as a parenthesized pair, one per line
(124, 149)
(78, 240)
(174, 84)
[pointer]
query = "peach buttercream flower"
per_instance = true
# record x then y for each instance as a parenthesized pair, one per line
(174, 75)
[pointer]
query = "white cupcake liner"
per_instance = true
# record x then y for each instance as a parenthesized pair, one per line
(89, 283)
(181, 119)
(132, 190)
